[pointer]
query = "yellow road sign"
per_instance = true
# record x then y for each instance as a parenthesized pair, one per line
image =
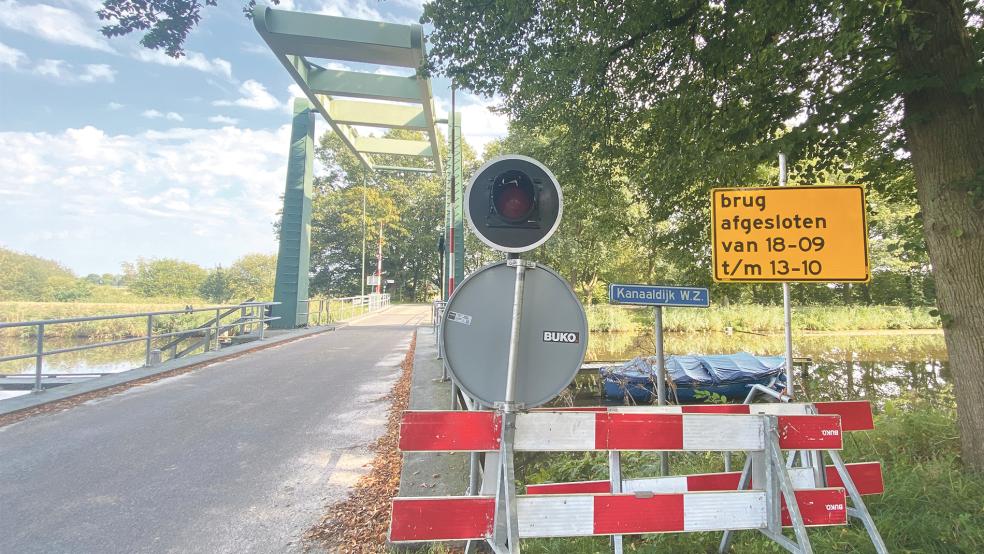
(784, 234)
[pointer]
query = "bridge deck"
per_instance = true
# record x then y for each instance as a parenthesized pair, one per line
(240, 456)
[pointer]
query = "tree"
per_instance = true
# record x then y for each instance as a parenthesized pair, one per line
(27, 277)
(165, 277)
(252, 276)
(685, 95)
(215, 287)
(408, 206)
(167, 22)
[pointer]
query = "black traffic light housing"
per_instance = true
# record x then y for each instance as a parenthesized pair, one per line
(514, 203)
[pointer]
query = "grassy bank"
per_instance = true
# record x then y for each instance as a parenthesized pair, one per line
(105, 329)
(930, 503)
(762, 319)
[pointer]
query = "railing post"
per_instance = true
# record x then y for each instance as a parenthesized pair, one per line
(218, 329)
(39, 360)
(262, 312)
(149, 339)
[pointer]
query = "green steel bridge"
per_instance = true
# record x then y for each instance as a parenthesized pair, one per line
(349, 101)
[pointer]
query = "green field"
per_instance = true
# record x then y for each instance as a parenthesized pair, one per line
(762, 319)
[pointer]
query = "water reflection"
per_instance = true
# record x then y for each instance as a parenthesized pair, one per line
(109, 359)
(859, 366)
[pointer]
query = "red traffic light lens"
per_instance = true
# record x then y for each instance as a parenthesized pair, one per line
(512, 196)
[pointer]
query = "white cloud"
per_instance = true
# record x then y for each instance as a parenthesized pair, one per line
(223, 120)
(62, 71)
(53, 24)
(114, 106)
(155, 114)
(255, 96)
(98, 72)
(191, 59)
(358, 9)
(11, 56)
(479, 125)
(51, 68)
(157, 193)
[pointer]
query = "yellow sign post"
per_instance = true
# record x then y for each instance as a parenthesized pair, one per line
(787, 234)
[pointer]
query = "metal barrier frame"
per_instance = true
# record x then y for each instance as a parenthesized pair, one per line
(258, 318)
(373, 302)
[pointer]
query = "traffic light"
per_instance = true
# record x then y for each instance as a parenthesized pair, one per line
(514, 203)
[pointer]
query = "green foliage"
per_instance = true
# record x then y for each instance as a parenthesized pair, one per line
(26, 277)
(164, 277)
(708, 397)
(215, 287)
(252, 276)
(763, 319)
(166, 24)
(407, 206)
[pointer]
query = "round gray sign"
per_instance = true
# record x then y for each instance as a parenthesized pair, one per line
(476, 327)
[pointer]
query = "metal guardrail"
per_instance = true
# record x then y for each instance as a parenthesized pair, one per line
(331, 310)
(257, 317)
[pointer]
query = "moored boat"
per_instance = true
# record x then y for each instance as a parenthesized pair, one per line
(728, 375)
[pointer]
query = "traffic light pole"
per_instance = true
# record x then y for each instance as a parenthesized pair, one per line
(506, 537)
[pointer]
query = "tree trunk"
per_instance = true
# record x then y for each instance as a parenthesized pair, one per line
(945, 130)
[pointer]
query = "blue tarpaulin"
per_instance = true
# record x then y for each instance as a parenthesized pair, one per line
(703, 370)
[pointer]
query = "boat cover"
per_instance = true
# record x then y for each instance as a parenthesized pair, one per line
(702, 370)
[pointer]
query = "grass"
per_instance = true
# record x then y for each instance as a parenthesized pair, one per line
(758, 318)
(930, 505)
(104, 329)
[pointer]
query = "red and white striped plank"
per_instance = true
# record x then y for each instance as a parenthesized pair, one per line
(463, 518)
(855, 414)
(866, 476)
(447, 431)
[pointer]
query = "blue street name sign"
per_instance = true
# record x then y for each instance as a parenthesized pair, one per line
(650, 295)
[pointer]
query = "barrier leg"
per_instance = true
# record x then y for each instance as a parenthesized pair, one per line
(858, 509)
(802, 544)
(505, 538)
(615, 476)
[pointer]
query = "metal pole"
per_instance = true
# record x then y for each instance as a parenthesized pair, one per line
(615, 477)
(379, 264)
(517, 320)
(39, 360)
(787, 308)
(262, 311)
(149, 340)
(218, 327)
(363, 232)
(664, 461)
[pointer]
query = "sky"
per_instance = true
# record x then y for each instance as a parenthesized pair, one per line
(110, 151)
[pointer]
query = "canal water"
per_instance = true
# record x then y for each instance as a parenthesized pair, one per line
(861, 365)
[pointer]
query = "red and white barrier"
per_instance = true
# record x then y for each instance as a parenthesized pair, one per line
(867, 477)
(429, 431)
(464, 518)
(855, 414)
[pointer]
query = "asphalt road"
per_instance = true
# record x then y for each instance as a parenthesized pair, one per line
(240, 456)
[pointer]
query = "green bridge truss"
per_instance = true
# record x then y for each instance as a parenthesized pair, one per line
(348, 100)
